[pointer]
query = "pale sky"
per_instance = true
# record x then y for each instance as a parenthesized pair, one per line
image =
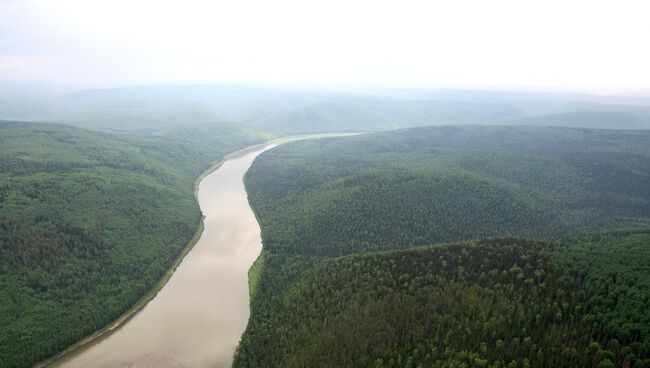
(588, 45)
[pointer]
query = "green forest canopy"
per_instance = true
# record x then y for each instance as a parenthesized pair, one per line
(439, 184)
(89, 223)
(577, 296)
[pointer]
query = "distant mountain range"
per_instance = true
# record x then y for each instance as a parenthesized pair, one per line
(289, 111)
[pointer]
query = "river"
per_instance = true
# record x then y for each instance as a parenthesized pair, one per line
(197, 318)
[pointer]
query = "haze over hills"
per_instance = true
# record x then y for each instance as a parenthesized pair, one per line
(297, 111)
(637, 119)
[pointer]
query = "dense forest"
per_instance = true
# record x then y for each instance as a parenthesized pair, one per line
(490, 303)
(440, 184)
(370, 242)
(552, 267)
(90, 222)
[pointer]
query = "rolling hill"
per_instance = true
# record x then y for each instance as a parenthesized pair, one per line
(452, 246)
(441, 184)
(285, 111)
(90, 222)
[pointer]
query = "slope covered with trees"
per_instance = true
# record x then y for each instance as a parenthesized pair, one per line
(491, 303)
(89, 222)
(349, 280)
(591, 119)
(440, 184)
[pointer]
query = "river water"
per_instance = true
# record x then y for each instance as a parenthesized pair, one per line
(197, 318)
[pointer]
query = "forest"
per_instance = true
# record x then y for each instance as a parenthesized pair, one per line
(453, 247)
(488, 303)
(90, 222)
(440, 184)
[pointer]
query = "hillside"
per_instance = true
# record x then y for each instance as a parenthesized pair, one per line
(356, 114)
(493, 303)
(89, 223)
(590, 119)
(429, 185)
(362, 265)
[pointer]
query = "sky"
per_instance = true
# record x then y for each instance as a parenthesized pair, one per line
(577, 45)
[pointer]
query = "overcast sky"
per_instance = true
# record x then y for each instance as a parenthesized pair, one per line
(586, 45)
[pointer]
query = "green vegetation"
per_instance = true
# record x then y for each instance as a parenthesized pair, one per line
(255, 274)
(495, 303)
(441, 184)
(348, 279)
(90, 222)
(590, 119)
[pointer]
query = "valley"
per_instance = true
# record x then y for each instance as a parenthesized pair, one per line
(370, 242)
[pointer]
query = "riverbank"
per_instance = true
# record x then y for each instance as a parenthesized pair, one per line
(255, 272)
(150, 295)
(86, 343)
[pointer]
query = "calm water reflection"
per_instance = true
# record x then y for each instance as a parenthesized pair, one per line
(196, 320)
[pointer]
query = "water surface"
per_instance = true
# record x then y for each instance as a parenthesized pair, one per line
(197, 318)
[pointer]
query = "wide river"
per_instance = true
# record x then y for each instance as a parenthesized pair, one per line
(197, 318)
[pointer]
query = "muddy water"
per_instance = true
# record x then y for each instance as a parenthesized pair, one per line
(197, 318)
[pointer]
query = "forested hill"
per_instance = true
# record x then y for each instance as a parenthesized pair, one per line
(589, 119)
(89, 222)
(348, 277)
(440, 184)
(492, 303)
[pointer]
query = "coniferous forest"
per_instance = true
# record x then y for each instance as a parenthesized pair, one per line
(453, 247)
(440, 246)
(90, 222)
